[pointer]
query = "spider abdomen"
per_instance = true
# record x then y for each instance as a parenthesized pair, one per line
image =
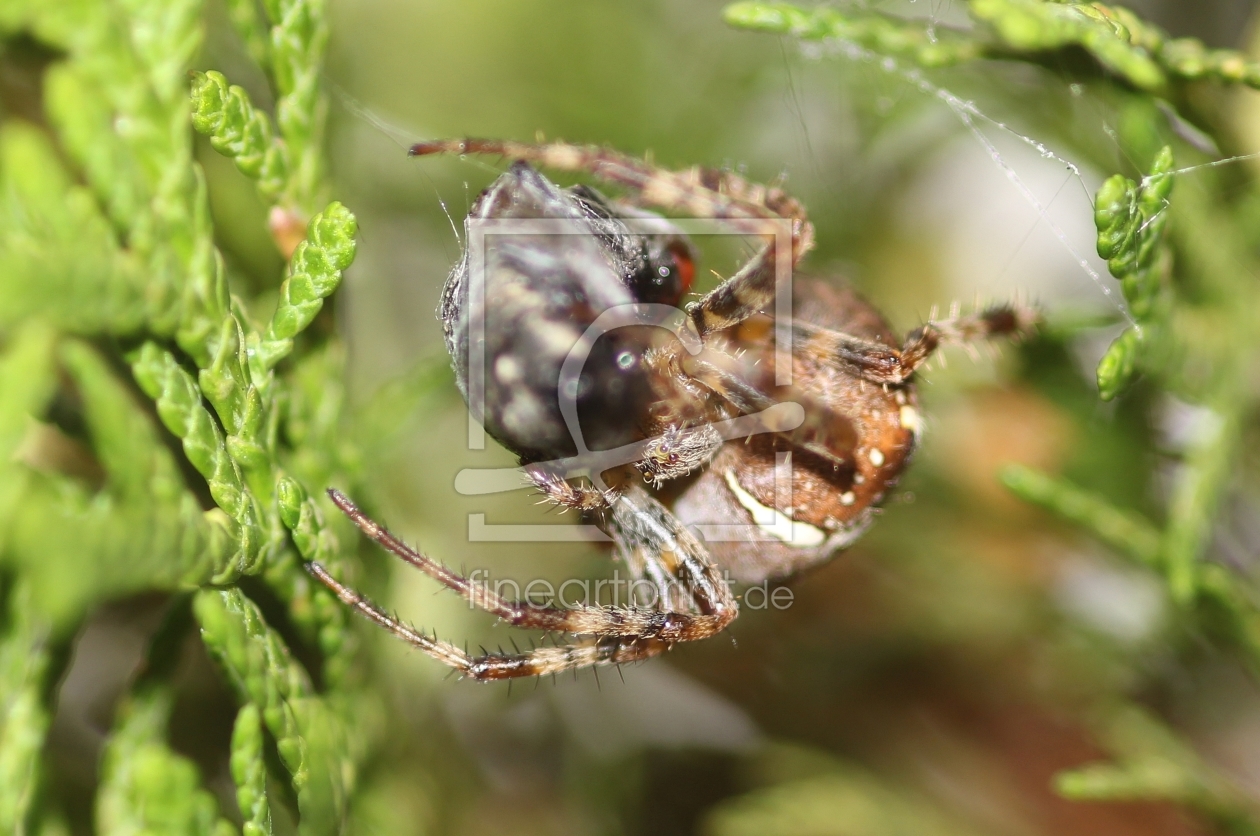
(551, 261)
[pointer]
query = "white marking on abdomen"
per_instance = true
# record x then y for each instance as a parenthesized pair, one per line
(773, 521)
(910, 420)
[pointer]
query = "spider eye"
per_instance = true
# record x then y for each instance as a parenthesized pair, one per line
(668, 273)
(684, 266)
(673, 458)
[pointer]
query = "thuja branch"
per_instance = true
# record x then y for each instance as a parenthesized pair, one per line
(1138, 52)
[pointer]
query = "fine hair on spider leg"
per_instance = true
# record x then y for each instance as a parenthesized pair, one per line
(880, 363)
(620, 634)
(700, 192)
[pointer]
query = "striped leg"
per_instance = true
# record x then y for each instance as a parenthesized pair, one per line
(880, 363)
(645, 533)
(488, 667)
(700, 192)
(749, 388)
(620, 633)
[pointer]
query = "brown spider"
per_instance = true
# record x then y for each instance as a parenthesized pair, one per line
(665, 395)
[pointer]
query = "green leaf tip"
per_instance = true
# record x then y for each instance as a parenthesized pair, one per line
(1118, 366)
(1112, 211)
(315, 271)
(249, 771)
(332, 232)
(1151, 763)
(1122, 530)
(237, 129)
(300, 515)
(765, 17)
(290, 495)
(1119, 41)
(883, 34)
(1146, 781)
(1131, 219)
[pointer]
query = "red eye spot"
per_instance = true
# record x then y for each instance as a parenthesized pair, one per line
(685, 266)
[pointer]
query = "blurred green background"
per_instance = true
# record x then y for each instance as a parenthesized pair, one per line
(931, 680)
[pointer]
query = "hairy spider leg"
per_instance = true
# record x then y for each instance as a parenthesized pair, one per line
(656, 570)
(646, 533)
(638, 524)
(880, 363)
(749, 386)
(824, 433)
(701, 192)
(494, 666)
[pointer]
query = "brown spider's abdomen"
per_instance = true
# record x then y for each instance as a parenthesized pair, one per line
(887, 424)
(759, 524)
(822, 495)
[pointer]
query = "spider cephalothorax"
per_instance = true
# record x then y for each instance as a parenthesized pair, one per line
(599, 382)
